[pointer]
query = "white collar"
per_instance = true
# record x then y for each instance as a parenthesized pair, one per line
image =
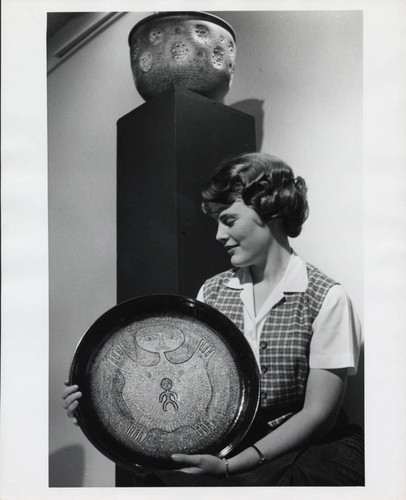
(295, 278)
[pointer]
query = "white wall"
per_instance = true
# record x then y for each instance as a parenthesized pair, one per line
(306, 68)
(86, 96)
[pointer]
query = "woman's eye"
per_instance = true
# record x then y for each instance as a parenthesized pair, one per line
(229, 222)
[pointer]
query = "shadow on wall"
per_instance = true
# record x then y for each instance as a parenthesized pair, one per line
(253, 107)
(354, 398)
(66, 467)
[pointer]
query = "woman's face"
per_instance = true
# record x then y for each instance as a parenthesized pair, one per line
(245, 236)
(159, 339)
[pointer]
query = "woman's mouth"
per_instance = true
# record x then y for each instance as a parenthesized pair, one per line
(230, 248)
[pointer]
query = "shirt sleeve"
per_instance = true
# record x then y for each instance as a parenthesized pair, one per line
(336, 340)
(200, 295)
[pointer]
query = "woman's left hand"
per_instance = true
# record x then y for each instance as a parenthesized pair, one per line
(201, 464)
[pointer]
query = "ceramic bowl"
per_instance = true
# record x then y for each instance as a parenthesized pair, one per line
(195, 50)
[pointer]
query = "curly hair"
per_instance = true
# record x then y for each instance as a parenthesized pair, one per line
(264, 183)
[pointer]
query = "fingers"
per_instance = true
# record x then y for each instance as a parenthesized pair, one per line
(71, 402)
(200, 464)
(70, 389)
(72, 408)
(187, 459)
(191, 470)
(70, 398)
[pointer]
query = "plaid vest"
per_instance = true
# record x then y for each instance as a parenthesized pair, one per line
(284, 342)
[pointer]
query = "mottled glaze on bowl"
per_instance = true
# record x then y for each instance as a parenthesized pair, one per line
(194, 50)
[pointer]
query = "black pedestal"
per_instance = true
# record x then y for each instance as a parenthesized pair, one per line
(166, 151)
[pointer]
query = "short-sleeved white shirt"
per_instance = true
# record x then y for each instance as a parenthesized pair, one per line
(336, 338)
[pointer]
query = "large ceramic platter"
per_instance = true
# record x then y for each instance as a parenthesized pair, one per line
(163, 374)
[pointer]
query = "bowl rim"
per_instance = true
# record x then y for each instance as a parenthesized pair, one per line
(205, 16)
(157, 307)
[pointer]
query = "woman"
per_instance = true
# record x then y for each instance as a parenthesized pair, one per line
(301, 326)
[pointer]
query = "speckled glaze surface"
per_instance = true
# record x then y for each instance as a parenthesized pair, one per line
(167, 385)
(190, 49)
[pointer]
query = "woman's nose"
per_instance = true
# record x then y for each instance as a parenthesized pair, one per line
(221, 234)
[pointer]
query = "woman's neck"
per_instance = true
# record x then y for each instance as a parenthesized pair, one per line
(271, 271)
(266, 278)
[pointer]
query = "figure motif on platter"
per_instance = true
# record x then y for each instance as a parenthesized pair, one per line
(141, 383)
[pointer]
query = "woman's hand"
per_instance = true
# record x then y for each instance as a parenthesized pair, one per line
(201, 464)
(70, 397)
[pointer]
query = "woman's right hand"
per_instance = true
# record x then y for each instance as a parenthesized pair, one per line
(70, 397)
